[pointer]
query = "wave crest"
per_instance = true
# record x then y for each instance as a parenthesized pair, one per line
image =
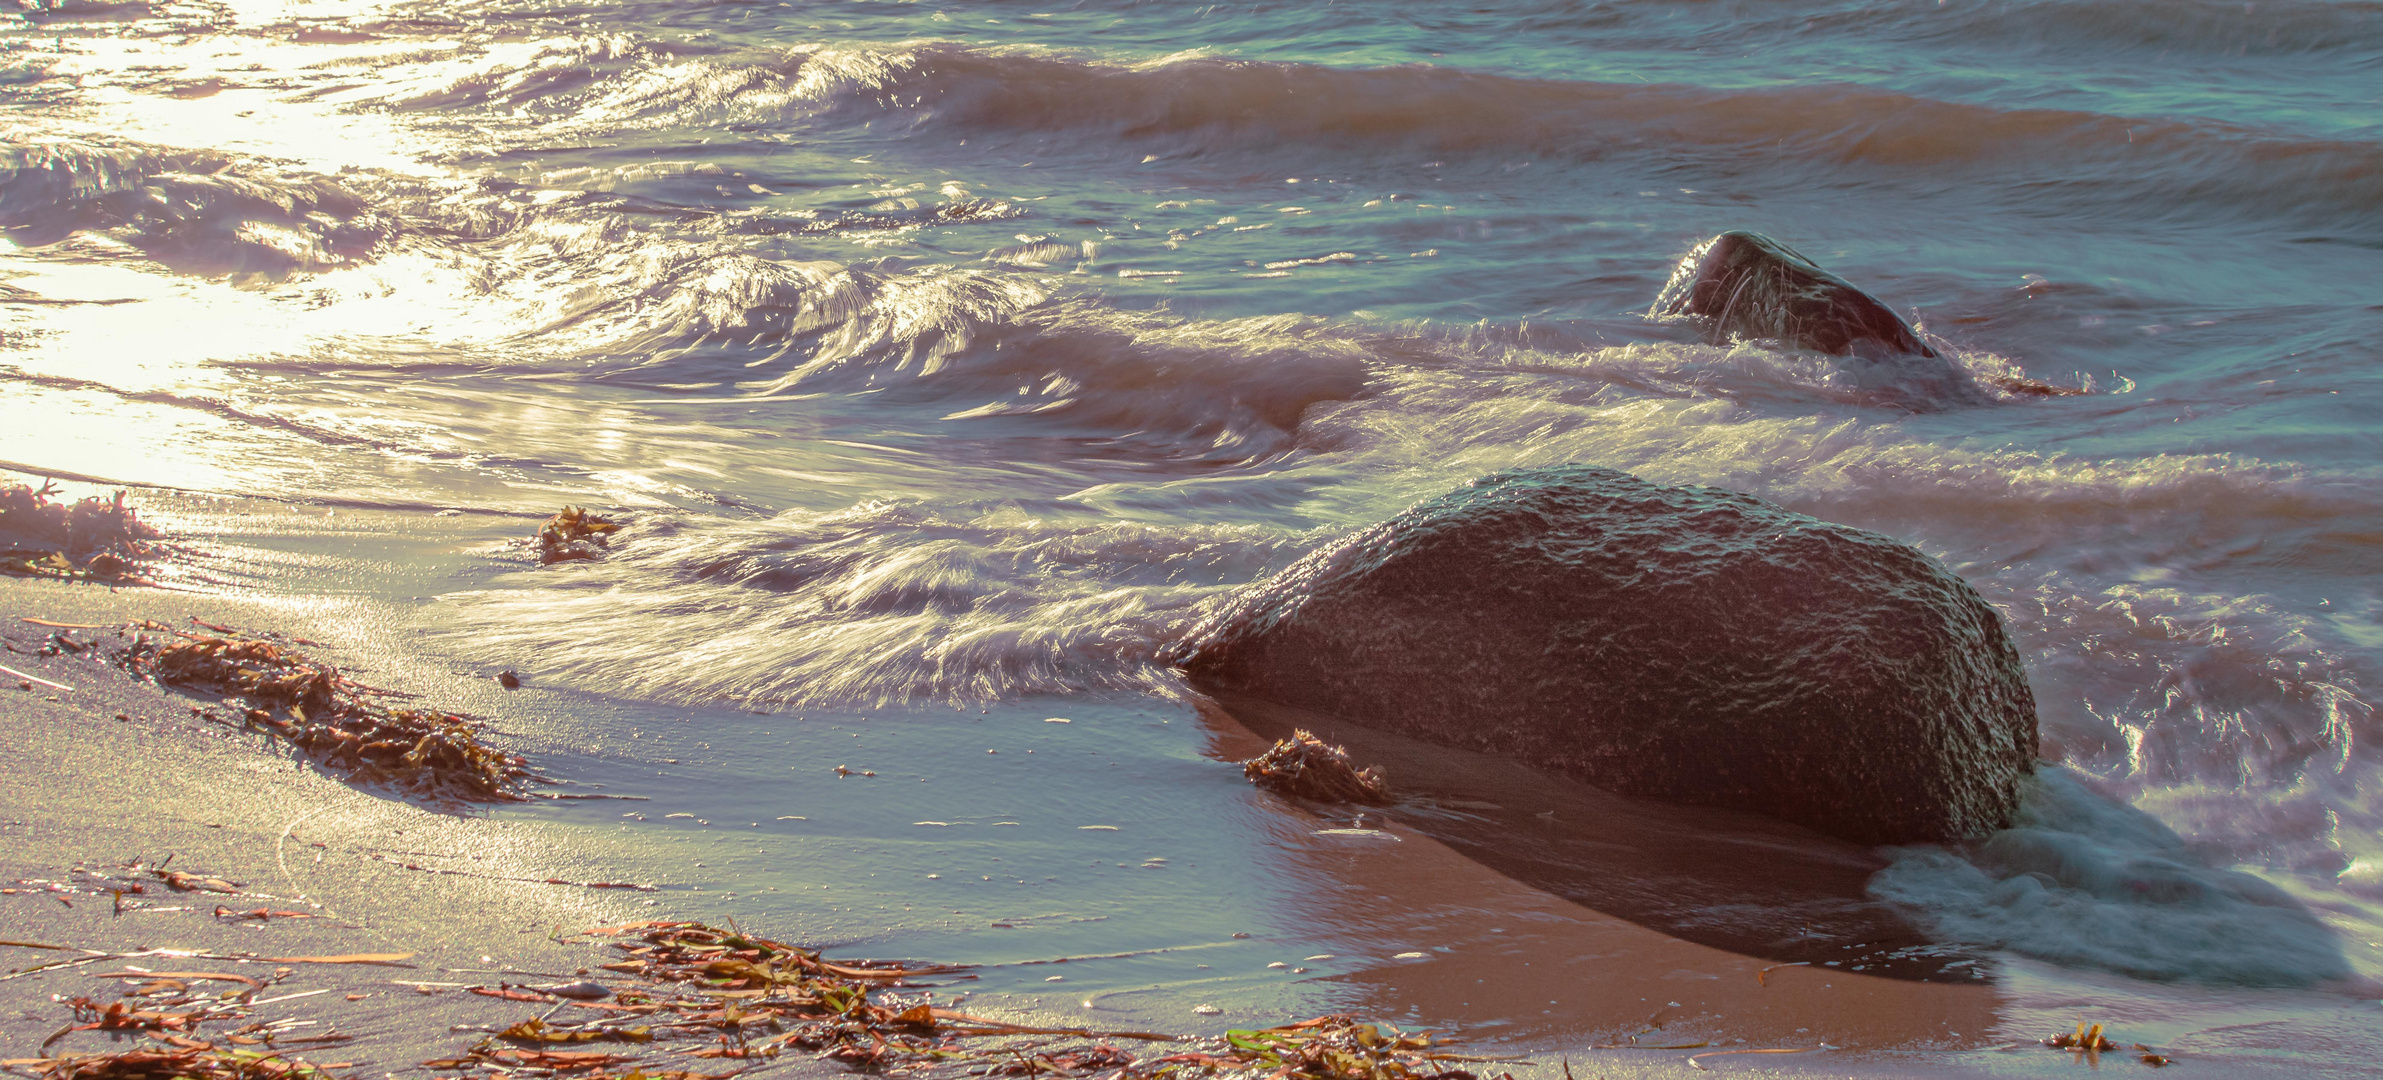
(192, 210)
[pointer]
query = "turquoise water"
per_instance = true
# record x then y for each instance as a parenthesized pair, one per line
(951, 356)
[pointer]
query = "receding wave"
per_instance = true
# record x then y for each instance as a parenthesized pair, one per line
(880, 603)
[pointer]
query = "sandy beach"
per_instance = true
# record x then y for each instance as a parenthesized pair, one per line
(115, 773)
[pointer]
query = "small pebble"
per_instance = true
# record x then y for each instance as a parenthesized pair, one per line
(581, 990)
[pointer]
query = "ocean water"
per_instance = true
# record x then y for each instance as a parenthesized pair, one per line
(947, 358)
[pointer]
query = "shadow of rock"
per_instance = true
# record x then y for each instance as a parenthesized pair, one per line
(1741, 882)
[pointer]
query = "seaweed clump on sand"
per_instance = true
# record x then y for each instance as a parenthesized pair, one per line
(93, 539)
(165, 1006)
(337, 719)
(685, 991)
(1311, 768)
(755, 999)
(574, 534)
(190, 1059)
(1321, 1048)
(752, 997)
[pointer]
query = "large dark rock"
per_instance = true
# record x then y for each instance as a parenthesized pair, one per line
(1682, 643)
(1746, 284)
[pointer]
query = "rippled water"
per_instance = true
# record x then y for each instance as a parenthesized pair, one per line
(954, 355)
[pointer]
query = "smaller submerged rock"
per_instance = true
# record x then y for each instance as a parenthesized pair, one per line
(1749, 285)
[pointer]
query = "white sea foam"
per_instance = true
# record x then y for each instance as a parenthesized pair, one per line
(2084, 879)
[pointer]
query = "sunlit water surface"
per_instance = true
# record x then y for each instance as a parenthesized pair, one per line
(948, 358)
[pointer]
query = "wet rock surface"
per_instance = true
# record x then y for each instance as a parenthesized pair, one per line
(1682, 643)
(1749, 285)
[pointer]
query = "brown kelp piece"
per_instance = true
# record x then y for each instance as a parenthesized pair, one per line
(94, 539)
(1311, 768)
(2084, 1038)
(201, 1061)
(686, 952)
(335, 718)
(2089, 1043)
(575, 533)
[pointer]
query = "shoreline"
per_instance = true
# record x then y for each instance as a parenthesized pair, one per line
(161, 785)
(101, 792)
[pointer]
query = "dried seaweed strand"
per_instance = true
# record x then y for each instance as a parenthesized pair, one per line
(428, 751)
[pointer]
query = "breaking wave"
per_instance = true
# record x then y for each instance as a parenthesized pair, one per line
(192, 210)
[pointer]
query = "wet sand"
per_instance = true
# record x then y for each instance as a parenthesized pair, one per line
(1603, 967)
(1453, 943)
(88, 789)
(96, 792)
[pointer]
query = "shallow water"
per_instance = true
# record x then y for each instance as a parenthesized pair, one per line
(948, 358)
